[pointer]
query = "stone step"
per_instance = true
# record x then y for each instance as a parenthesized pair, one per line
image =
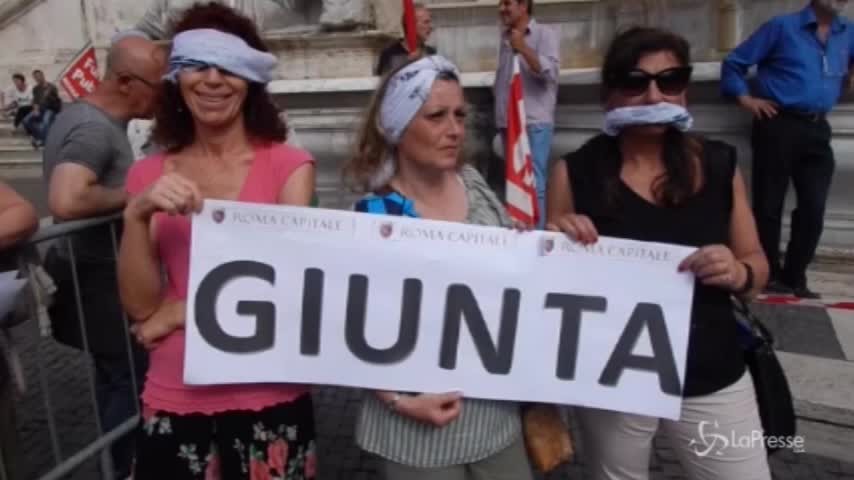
(9, 130)
(15, 142)
(18, 153)
(823, 388)
(823, 392)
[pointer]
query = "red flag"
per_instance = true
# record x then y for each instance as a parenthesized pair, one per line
(409, 25)
(80, 77)
(521, 186)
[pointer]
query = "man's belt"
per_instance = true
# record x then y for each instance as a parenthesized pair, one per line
(813, 117)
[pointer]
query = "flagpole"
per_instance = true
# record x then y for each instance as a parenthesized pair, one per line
(409, 27)
(88, 23)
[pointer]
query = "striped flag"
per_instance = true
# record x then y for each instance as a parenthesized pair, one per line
(409, 25)
(521, 186)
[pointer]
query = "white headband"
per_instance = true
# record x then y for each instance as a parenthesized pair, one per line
(208, 47)
(407, 91)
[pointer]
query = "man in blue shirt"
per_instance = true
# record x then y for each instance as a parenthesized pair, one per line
(802, 61)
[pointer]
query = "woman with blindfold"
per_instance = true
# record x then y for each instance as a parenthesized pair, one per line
(222, 139)
(647, 179)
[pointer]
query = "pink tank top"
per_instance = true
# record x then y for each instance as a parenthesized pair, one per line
(164, 386)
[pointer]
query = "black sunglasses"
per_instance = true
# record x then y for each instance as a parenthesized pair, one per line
(672, 81)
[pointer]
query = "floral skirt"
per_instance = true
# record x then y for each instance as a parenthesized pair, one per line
(276, 443)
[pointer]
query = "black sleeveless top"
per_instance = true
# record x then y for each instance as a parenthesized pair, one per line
(715, 359)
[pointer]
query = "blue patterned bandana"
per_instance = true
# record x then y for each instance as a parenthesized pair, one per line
(407, 91)
(206, 47)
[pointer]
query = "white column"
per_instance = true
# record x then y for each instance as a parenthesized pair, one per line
(729, 24)
(387, 15)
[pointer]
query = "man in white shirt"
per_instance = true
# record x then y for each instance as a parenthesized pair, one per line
(18, 100)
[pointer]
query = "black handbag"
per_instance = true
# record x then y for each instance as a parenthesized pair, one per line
(773, 396)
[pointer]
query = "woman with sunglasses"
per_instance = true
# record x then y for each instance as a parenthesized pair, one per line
(646, 179)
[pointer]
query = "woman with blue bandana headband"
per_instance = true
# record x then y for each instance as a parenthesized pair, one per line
(222, 139)
(409, 160)
(646, 178)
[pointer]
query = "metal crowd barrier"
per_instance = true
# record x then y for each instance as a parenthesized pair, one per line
(65, 463)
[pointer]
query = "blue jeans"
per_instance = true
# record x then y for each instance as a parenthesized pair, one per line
(37, 125)
(540, 137)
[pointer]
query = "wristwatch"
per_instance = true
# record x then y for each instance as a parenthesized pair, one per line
(748, 282)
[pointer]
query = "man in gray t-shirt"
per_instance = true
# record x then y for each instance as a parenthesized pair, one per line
(86, 158)
(87, 153)
(89, 138)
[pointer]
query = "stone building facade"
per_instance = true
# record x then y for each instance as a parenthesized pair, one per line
(327, 50)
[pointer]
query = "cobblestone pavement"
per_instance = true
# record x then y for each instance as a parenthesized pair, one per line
(335, 412)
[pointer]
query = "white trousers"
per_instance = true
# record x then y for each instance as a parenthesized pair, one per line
(617, 446)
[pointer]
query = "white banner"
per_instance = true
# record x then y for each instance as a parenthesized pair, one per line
(300, 295)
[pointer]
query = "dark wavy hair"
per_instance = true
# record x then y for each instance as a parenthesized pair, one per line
(174, 127)
(679, 180)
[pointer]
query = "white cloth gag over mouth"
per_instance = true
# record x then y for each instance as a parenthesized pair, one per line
(659, 114)
(207, 47)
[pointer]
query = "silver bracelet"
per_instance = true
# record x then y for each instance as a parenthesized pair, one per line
(392, 404)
